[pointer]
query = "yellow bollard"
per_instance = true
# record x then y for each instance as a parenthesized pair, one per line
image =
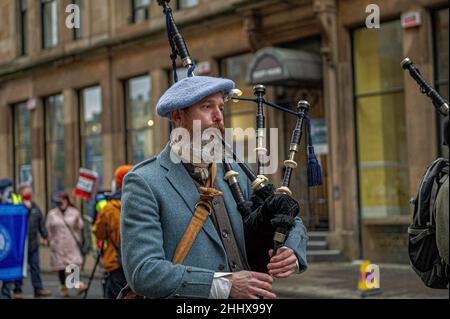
(369, 279)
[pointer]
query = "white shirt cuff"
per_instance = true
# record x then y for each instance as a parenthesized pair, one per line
(221, 286)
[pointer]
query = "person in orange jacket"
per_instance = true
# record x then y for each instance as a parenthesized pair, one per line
(107, 228)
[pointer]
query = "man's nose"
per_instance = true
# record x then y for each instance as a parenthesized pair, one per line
(217, 115)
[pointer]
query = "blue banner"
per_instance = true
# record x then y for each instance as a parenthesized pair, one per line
(13, 232)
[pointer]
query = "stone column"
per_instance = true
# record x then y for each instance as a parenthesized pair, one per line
(6, 136)
(117, 121)
(34, 27)
(159, 84)
(64, 33)
(343, 221)
(109, 144)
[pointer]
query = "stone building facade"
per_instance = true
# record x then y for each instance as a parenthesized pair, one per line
(72, 98)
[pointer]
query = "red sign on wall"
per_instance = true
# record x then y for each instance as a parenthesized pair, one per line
(411, 20)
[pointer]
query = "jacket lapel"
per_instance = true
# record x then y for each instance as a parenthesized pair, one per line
(180, 180)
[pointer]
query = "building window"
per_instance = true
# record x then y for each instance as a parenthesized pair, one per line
(185, 4)
(22, 144)
(380, 121)
(139, 119)
(139, 10)
(77, 32)
(441, 66)
(54, 145)
(242, 114)
(23, 27)
(49, 12)
(91, 130)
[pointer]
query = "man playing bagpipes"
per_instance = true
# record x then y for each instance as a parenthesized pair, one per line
(182, 234)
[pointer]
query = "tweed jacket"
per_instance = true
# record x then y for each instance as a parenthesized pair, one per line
(157, 205)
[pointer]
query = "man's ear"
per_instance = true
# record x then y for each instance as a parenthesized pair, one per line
(176, 118)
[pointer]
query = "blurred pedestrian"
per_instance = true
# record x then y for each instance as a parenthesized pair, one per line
(107, 228)
(65, 225)
(36, 224)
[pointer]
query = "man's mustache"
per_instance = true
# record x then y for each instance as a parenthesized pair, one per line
(220, 127)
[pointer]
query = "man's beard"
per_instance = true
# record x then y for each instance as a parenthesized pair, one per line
(194, 151)
(188, 125)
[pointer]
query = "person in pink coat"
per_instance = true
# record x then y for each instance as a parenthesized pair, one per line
(65, 224)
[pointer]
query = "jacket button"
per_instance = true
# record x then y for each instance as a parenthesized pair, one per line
(189, 269)
(221, 266)
(225, 234)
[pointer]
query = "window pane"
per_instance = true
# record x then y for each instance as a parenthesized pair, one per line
(22, 144)
(22, 125)
(383, 169)
(183, 4)
(377, 57)
(50, 23)
(235, 68)
(138, 102)
(139, 118)
(381, 127)
(94, 151)
(140, 10)
(91, 128)
(77, 32)
(141, 145)
(241, 114)
(140, 15)
(55, 167)
(23, 27)
(92, 110)
(55, 113)
(55, 156)
(181, 74)
(141, 3)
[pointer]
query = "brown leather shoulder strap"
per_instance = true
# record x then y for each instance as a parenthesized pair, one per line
(202, 210)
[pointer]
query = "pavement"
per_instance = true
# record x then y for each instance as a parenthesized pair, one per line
(51, 281)
(322, 280)
(339, 280)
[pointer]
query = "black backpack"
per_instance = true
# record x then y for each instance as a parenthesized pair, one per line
(422, 248)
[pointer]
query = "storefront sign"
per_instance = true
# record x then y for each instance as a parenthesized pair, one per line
(204, 68)
(319, 136)
(411, 20)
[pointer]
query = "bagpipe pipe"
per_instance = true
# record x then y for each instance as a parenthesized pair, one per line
(439, 103)
(270, 213)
